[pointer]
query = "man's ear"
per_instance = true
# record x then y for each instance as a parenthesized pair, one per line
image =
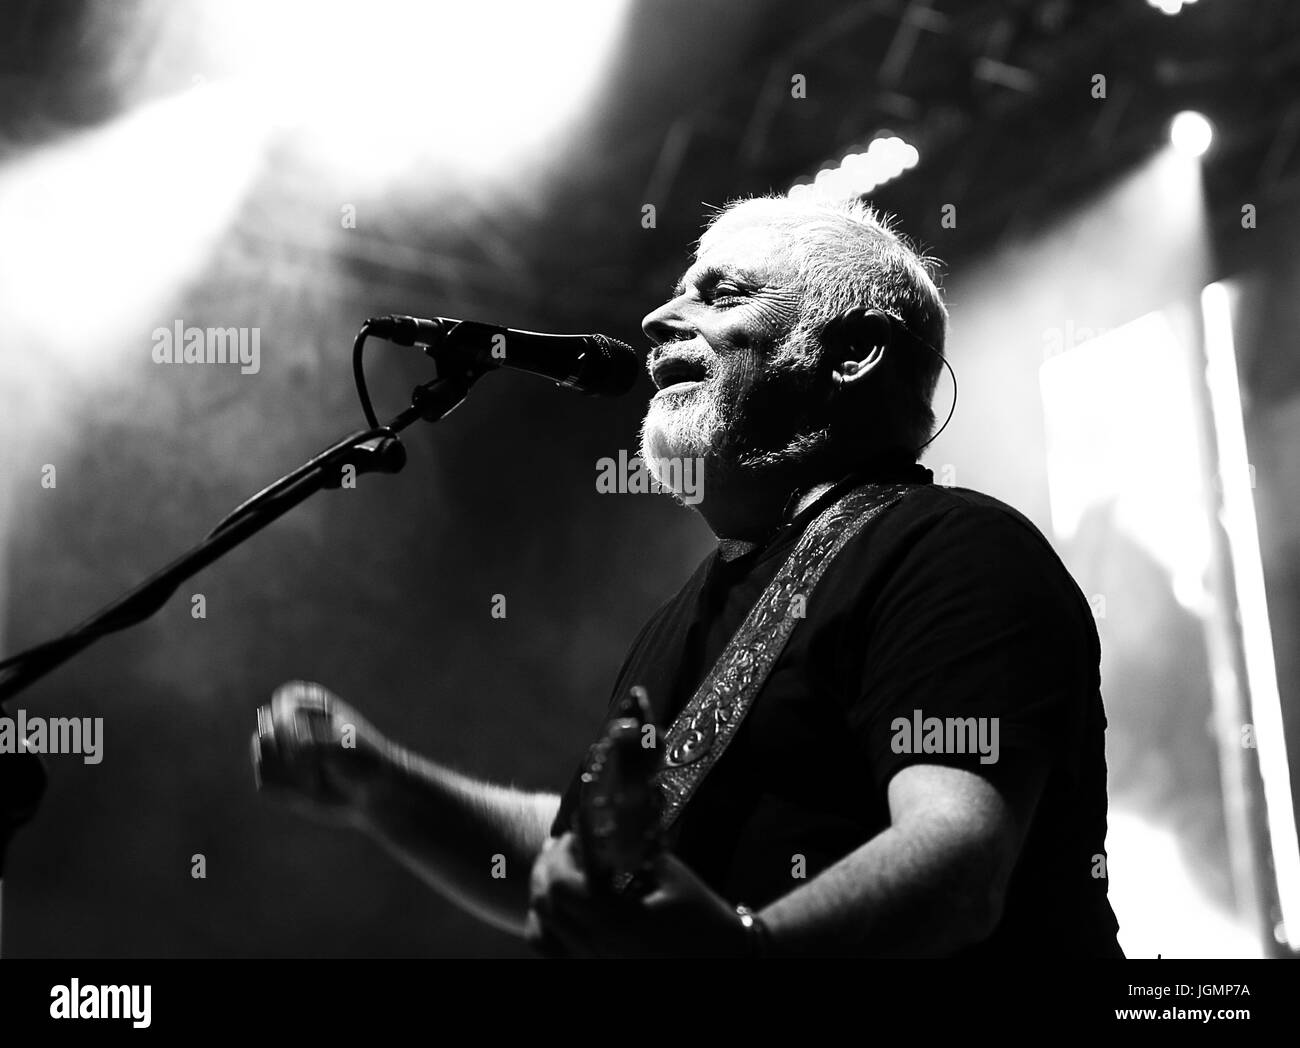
(856, 342)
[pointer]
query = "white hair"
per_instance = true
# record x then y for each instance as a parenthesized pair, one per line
(848, 254)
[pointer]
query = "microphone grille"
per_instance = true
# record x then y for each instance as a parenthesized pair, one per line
(619, 367)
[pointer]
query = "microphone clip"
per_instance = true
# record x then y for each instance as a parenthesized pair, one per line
(411, 331)
(384, 453)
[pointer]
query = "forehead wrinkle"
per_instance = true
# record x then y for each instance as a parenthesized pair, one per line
(767, 273)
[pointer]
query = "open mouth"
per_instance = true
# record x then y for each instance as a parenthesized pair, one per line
(677, 373)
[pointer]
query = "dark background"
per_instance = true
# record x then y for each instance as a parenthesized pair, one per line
(384, 593)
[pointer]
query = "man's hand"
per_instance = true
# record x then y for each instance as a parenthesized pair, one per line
(317, 752)
(682, 917)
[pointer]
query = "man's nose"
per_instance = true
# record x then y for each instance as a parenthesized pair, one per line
(666, 323)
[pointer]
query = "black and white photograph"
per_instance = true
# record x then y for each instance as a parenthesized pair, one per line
(490, 483)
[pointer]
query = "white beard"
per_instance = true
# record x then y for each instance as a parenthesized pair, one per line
(711, 424)
(683, 426)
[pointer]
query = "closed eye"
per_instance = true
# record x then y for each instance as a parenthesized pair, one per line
(723, 293)
(712, 285)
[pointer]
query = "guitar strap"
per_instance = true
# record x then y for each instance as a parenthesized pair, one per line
(702, 731)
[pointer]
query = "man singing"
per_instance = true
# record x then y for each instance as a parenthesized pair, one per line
(919, 772)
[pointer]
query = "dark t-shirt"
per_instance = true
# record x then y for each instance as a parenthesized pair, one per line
(950, 605)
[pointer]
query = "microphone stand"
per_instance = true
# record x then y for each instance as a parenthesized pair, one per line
(376, 450)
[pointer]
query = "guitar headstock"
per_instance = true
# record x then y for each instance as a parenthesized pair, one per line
(617, 819)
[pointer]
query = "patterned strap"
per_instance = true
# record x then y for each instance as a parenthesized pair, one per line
(708, 723)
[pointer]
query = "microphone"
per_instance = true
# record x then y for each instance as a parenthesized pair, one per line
(594, 364)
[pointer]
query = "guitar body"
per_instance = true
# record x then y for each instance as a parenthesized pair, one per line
(617, 819)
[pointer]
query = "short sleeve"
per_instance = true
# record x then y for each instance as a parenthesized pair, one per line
(979, 648)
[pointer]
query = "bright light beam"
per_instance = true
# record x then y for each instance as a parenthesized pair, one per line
(1098, 409)
(100, 229)
(1243, 541)
(378, 88)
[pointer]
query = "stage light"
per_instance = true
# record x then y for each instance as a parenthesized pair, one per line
(1170, 7)
(103, 227)
(1098, 408)
(380, 88)
(1153, 888)
(1242, 531)
(858, 173)
(1191, 133)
